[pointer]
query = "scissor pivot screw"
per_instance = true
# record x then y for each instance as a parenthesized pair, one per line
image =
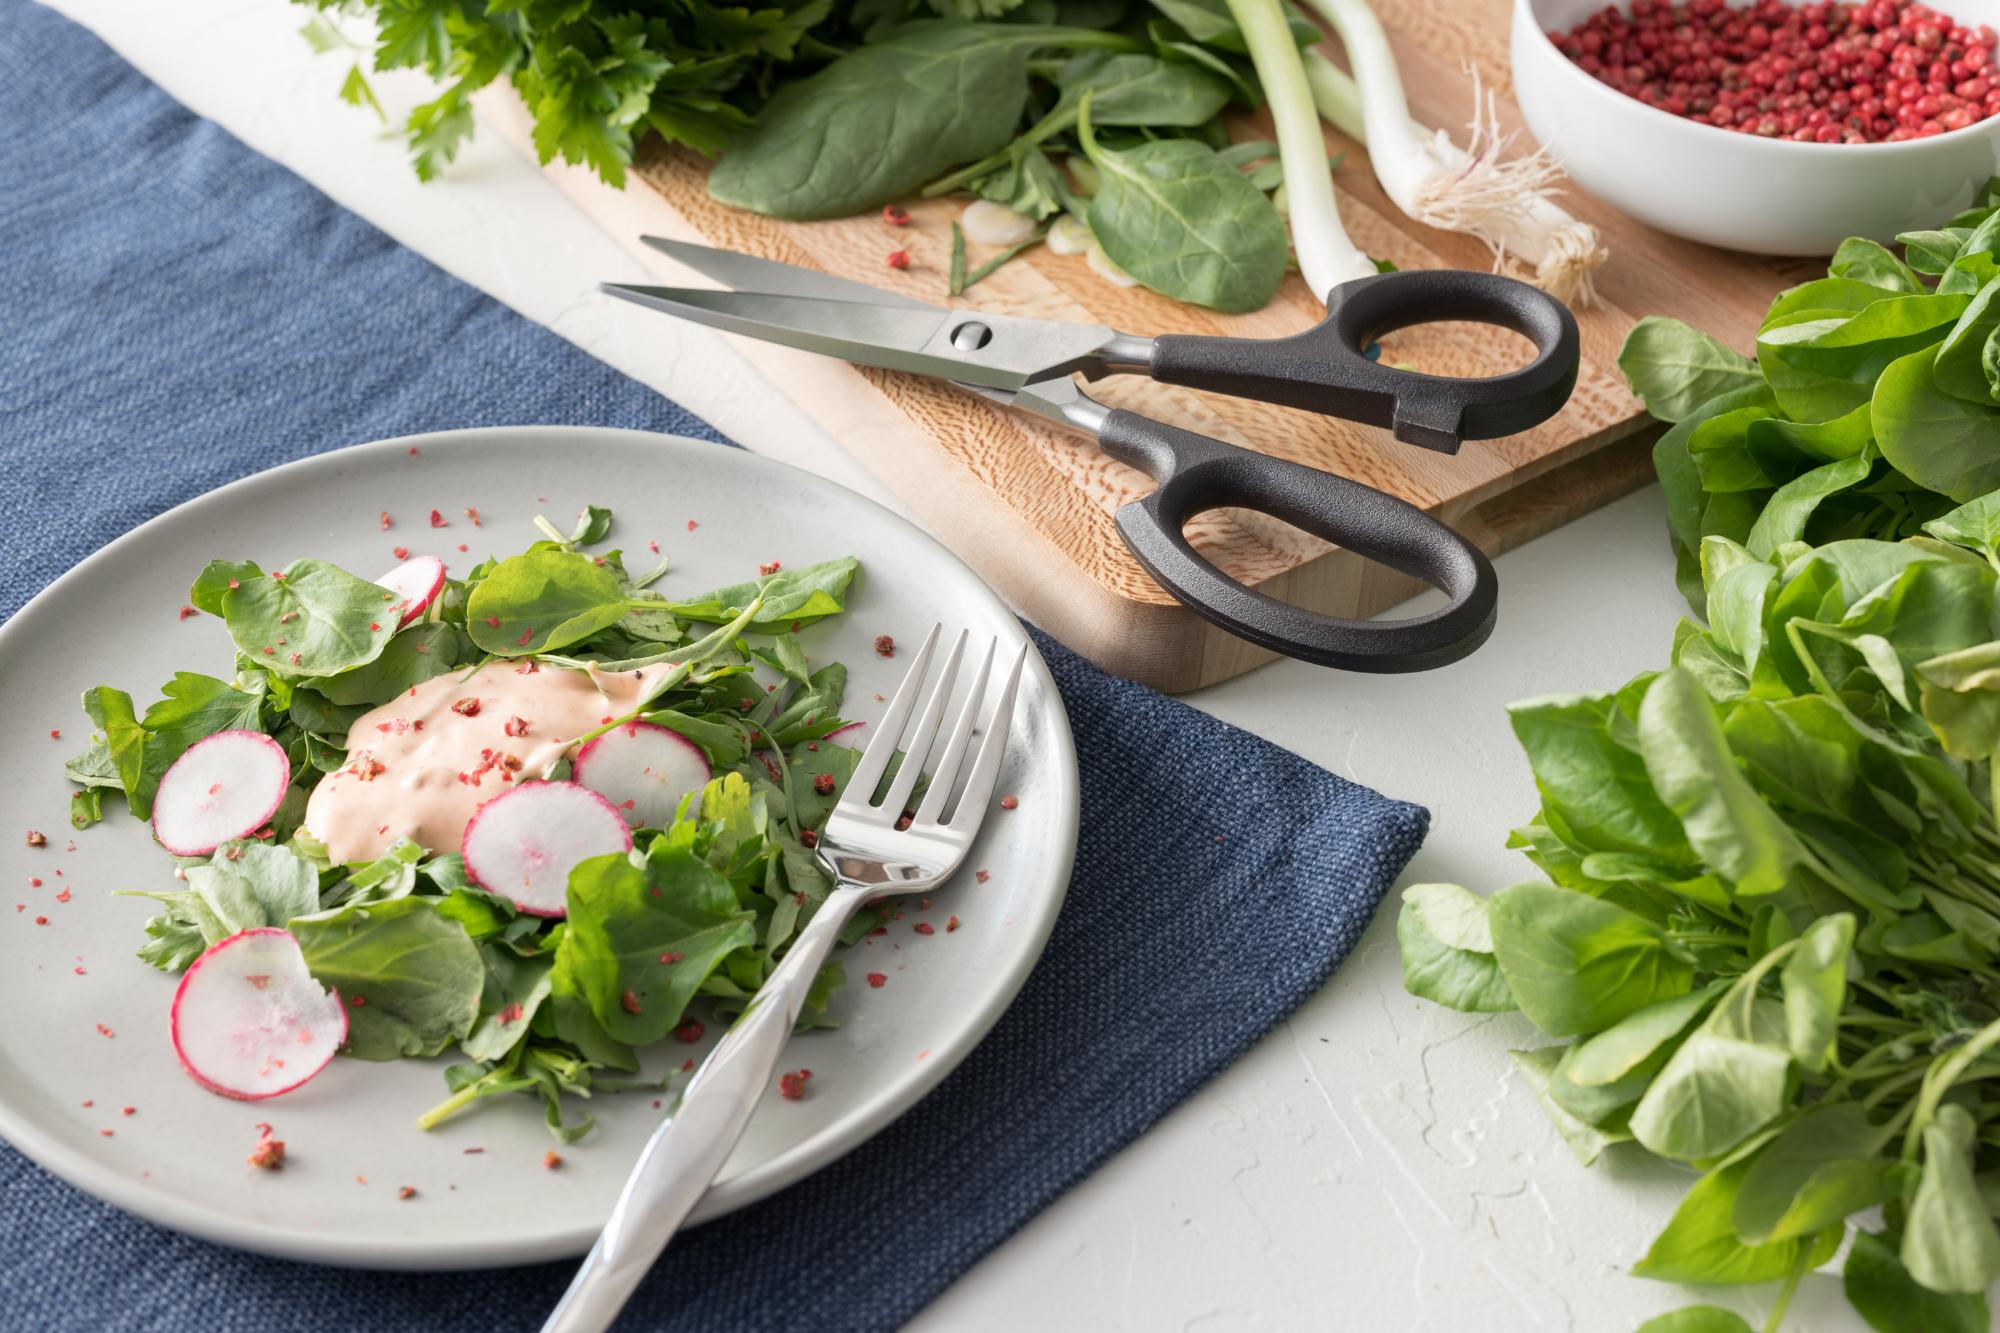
(971, 336)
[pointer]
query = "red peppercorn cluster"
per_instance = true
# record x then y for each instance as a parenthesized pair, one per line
(1874, 72)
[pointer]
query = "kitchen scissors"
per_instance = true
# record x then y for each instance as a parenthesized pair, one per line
(1032, 363)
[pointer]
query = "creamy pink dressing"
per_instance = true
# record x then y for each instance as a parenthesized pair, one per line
(421, 764)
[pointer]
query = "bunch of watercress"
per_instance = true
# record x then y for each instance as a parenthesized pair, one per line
(1770, 930)
(533, 1004)
(1873, 403)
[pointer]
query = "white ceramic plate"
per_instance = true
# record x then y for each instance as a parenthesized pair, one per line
(178, 1158)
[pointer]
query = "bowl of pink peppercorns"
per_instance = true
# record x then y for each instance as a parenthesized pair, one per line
(1764, 126)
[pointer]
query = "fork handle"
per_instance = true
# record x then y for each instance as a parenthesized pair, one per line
(682, 1158)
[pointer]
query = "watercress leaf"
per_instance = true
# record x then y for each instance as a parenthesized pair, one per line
(1447, 950)
(1862, 260)
(1814, 983)
(1950, 1244)
(1882, 1292)
(1586, 1142)
(1700, 1243)
(1631, 1042)
(174, 939)
(1715, 1091)
(1696, 1319)
(1606, 1106)
(593, 525)
(1577, 964)
(1691, 768)
(216, 579)
(1184, 223)
(883, 119)
(1676, 368)
(412, 656)
(124, 745)
(411, 977)
(791, 596)
(543, 601)
(389, 876)
(1942, 443)
(1824, 1166)
(309, 619)
(644, 935)
(246, 885)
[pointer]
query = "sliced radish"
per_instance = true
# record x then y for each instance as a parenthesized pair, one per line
(223, 787)
(249, 1021)
(643, 769)
(522, 844)
(838, 732)
(415, 583)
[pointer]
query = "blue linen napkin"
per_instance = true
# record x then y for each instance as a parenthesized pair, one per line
(177, 311)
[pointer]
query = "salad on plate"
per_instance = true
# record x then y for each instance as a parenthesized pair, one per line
(540, 814)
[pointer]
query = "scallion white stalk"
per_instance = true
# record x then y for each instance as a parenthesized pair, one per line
(1504, 202)
(1327, 257)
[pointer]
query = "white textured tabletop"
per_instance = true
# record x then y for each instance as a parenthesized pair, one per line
(1372, 1165)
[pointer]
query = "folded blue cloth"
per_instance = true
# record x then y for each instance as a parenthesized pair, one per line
(179, 311)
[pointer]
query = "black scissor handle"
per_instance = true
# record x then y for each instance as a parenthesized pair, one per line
(1325, 369)
(1197, 474)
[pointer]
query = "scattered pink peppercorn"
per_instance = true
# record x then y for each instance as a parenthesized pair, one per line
(792, 1086)
(770, 567)
(884, 646)
(896, 215)
(899, 259)
(878, 980)
(1009, 802)
(551, 1159)
(269, 1154)
(690, 1031)
(37, 839)
(823, 784)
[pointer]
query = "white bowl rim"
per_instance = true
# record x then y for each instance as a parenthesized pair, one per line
(1753, 143)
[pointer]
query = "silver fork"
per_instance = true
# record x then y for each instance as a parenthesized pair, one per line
(872, 854)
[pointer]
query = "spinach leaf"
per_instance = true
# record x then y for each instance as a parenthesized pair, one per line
(1862, 260)
(516, 986)
(1696, 1319)
(542, 602)
(644, 934)
(410, 977)
(1825, 1166)
(1676, 368)
(309, 619)
(886, 117)
(413, 656)
(1945, 444)
(791, 597)
(1184, 223)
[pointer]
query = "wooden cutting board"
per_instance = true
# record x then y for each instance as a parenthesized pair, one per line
(1030, 506)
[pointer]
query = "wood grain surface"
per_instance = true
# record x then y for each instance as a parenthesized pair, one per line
(1030, 506)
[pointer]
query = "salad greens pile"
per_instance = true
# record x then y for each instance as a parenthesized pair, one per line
(426, 959)
(1769, 934)
(833, 107)
(1872, 406)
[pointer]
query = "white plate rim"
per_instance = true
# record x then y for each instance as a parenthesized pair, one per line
(773, 1174)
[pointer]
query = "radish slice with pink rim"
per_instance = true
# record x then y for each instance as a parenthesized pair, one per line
(223, 787)
(839, 732)
(415, 583)
(248, 1019)
(522, 844)
(643, 769)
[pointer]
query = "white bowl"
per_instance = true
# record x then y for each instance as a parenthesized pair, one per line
(1739, 191)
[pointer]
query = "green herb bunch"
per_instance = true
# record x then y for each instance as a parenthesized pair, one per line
(1772, 917)
(1872, 406)
(1108, 110)
(534, 1005)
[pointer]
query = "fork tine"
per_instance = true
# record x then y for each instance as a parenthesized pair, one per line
(944, 775)
(986, 768)
(875, 759)
(917, 744)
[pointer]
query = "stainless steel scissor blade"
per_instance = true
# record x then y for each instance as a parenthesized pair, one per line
(818, 312)
(748, 273)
